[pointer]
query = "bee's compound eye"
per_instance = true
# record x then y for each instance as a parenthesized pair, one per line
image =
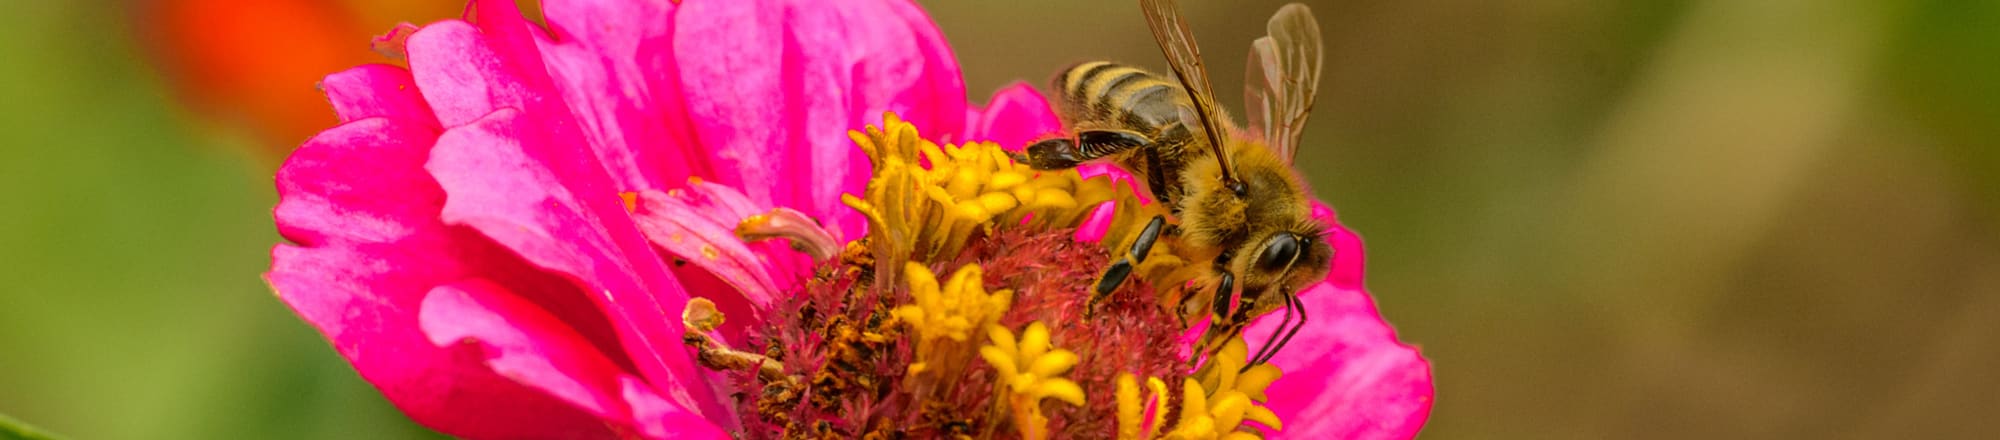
(1279, 251)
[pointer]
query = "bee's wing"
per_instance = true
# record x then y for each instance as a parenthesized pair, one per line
(1258, 100)
(1170, 30)
(1283, 77)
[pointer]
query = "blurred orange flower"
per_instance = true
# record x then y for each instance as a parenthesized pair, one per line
(251, 66)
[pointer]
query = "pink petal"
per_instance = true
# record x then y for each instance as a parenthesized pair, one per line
(705, 241)
(696, 224)
(613, 63)
(373, 90)
(369, 248)
(724, 208)
(779, 83)
(1097, 223)
(1017, 115)
(468, 70)
(1346, 374)
(523, 185)
(464, 76)
(729, 207)
(524, 343)
(1348, 261)
(326, 199)
(659, 419)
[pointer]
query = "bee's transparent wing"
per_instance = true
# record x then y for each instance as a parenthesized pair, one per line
(1170, 30)
(1259, 103)
(1283, 78)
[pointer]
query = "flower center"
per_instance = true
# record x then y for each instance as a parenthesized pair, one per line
(898, 334)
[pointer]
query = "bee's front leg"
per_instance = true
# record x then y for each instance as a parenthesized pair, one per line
(1223, 325)
(1066, 153)
(1115, 275)
(1287, 327)
(1050, 154)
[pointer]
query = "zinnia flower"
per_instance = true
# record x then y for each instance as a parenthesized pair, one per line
(762, 220)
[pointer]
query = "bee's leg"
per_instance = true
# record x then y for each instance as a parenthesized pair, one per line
(1064, 153)
(1212, 341)
(1225, 324)
(1221, 302)
(1119, 270)
(1096, 143)
(1156, 181)
(1290, 329)
(1050, 154)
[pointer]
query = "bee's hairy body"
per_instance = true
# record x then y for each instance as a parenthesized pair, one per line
(1179, 170)
(1239, 204)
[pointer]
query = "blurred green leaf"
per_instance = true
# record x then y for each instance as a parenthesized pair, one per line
(1941, 74)
(11, 429)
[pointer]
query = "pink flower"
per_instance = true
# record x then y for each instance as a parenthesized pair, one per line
(503, 238)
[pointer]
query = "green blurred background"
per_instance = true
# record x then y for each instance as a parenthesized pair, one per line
(1635, 219)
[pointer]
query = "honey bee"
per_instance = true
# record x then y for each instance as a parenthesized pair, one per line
(1233, 194)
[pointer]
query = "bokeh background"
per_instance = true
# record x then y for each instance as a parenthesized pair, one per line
(1626, 219)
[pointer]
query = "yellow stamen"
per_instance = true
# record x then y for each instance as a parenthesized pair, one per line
(1131, 417)
(1233, 392)
(797, 228)
(925, 202)
(701, 316)
(944, 318)
(1029, 370)
(1225, 372)
(1205, 416)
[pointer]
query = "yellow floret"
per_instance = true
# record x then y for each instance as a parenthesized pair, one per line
(1028, 370)
(924, 202)
(944, 318)
(1131, 416)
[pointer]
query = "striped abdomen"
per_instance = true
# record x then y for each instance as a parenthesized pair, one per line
(1105, 95)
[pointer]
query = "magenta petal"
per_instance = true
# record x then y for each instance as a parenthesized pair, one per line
(372, 320)
(659, 419)
(726, 207)
(1346, 375)
(1096, 224)
(369, 248)
(705, 241)
(729, 207)
(745, 282)
(1017, 115)
(325, 197)
(376, 90)
(524, 343)
(456, 70)
(613, 62)
(467, 71)
(806, 72)
(508, 177)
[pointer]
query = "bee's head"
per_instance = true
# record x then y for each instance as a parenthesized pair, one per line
(1286, 259)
